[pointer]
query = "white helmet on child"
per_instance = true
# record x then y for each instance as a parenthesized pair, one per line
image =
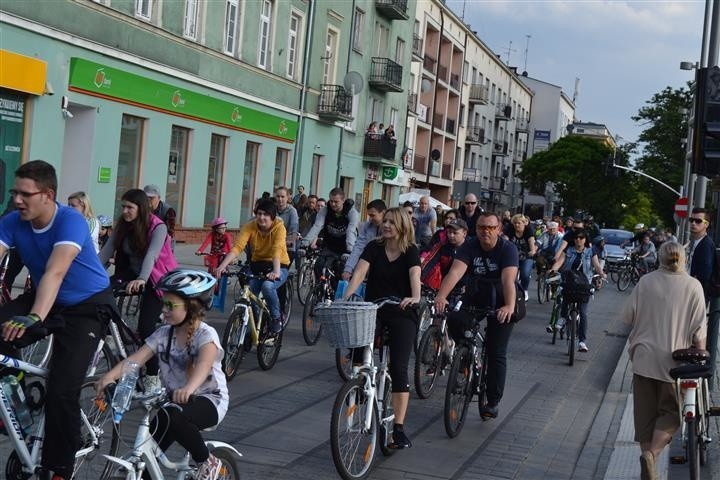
(189, 284)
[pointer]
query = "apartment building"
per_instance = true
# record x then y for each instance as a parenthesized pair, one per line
(215, 101)
(551, 114)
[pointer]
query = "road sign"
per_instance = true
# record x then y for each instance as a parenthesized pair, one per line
(681, 207)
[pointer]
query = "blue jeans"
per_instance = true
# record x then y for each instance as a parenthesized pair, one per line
(269, 290)
(525, 270)
(582, 330)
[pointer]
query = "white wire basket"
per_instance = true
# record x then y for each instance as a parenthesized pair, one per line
(348, 324)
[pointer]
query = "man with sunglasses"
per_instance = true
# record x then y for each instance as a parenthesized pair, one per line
(491, 264)
(470, 213)
(68, 280)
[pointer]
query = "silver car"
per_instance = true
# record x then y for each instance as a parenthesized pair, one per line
(614, 238)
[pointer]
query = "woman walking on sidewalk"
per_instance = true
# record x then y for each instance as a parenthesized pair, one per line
(667, 312)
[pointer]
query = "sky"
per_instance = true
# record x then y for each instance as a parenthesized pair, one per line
(623, 52)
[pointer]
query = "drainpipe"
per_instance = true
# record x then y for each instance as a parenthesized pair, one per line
(432, 118)
(342, 128)
(303, 95)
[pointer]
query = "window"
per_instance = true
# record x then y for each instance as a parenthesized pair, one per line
(473, 160)
(462, 116)
(474, 74)
(376, 109)
(466, 72)
(467, 159)
(316, 173)
(214, 178)
(177, 165)
(330, 58)
(346, 183)
(393, 117)
(358, 25)
(293, 45)
(265, 35)
(399, 51)
(247, 199)
(131, 143)
(282, 157)
(382, 33)
(231, 26)
(191, 19)
(143, 9)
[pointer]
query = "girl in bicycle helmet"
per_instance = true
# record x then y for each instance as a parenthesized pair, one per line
(190, 367)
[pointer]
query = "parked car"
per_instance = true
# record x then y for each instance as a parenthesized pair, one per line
(613, 241)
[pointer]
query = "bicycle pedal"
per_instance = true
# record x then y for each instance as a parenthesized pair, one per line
(678, 460)
(714, 411)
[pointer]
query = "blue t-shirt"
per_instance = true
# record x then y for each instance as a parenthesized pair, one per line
(86, 275)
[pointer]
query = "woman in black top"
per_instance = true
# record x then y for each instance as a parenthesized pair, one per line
(520, 234)
(392, 266)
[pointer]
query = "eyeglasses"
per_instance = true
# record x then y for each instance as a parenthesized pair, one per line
(470, 203)
(697, 220)
(486, 228)
(24, 195)
(170, 306)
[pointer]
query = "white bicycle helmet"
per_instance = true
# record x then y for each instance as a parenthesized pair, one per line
(189, 284)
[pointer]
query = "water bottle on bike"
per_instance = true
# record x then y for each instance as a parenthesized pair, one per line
(124, 390)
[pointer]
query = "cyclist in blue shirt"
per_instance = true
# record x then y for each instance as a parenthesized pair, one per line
(71, 297)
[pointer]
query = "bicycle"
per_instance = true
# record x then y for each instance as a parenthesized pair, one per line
(305, 278)
(573, 298)
(248, 325)
(556, 309)
(322, 291)
(362, 415)
(97, 432)
(427, 311)
(468, 372)
(630, 274)
(434, 356)
(693, 397)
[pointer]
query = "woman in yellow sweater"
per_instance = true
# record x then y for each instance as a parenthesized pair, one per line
(266, 236)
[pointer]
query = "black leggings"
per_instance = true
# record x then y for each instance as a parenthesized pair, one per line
(182, 424)
(149, 317)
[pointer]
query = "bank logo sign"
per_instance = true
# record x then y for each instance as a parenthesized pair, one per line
(101, 79)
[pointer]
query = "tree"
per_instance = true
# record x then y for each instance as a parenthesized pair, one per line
(663, 151)
(576, 166)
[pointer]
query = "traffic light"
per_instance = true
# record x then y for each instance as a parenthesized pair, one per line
(706, 127)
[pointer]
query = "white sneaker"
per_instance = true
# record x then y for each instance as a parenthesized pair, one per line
(209, 469)
(582, 347)
(152, 383)
(560, 324)
(527, 296)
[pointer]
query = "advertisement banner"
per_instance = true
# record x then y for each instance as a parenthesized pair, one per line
(12, 126)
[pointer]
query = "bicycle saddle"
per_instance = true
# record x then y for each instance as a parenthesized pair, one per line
(691, 371)
(692, 355)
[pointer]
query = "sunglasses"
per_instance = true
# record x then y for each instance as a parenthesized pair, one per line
(696, 220)
(486, 228)
(470, 203)
(170, 306)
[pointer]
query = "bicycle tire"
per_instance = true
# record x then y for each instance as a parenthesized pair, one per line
(343, 362)
(613, 275)
(385, 430)
(458, 392)
(233, 343)
(425, 320)
(129, 307)
(228, 464)
(106, 361)
(268, 349)
(38, 353)
(542, 294)
(346, 426)
(427, 361)
(99, 418)
(305, 281)
(624, 280)
(311, 327)
(554, 315)
(572, 335)
(482, 380)
(692, 448)
(288, 301)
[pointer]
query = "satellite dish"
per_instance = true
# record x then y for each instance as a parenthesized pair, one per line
(425, 85)
(435, 154)
(353, 82)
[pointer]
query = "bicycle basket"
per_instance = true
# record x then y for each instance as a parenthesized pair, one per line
(348, 324)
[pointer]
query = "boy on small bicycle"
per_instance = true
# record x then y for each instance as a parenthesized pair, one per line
(190, 367)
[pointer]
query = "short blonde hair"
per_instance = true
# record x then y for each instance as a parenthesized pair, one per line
(84, 199)
(519, 217)
(672, 256)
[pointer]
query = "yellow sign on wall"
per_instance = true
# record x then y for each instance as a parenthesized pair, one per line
(21, 73)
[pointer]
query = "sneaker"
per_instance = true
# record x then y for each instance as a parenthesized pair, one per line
(582, 347)
(549, 328)
(488, 412)
(209, 469)
(560, 324)
(400, 440)
(152, 383)
(276, 326)
(527, 296)
(647, 466)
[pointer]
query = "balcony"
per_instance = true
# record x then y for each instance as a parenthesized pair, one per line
(392, 9)
(412, 104)
(378, 146)
(479, 94)
(500, 149)
(442, 73)
(497, 184)
(386, 75)
(429, 63)
(335, 104)
(522, 125)
(503, 111)
(475, 135)
(450, 126)
(417, 48)
(471, 174)
(455, 81)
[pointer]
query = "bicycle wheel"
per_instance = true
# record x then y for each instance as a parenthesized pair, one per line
(613, 275)
(311, 327)
(343, 362)
(288, 301)
(99, 436)
(427, 361)
(692, 448)
(129, 307)
(458, 392)
(352, 444)
(542, 293)
(425, 316)
(233, 343)
(624, 279)
(38, 353)
(386, 420)
(554, 316)
(104, 363)
(268, 348)
(572, 335)
(228, 464)
(305, 281)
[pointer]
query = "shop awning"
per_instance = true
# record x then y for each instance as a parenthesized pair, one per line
(21, 73)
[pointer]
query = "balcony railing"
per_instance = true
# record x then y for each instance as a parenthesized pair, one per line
(450, 126)
(497, 183)
(379, 146)
(420, 164)
(455, 81)
(393, 9)
(438, 121)
(429, 63)
(475, 135)
(335, 103)
(522, 125)
(386, 75)
(479, 94)
(417, 47)
(500, 148)
(442, 73)
(412, 103)
(503, 111)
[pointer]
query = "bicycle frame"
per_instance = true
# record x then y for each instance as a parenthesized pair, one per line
(375, 376)
(693, 395)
